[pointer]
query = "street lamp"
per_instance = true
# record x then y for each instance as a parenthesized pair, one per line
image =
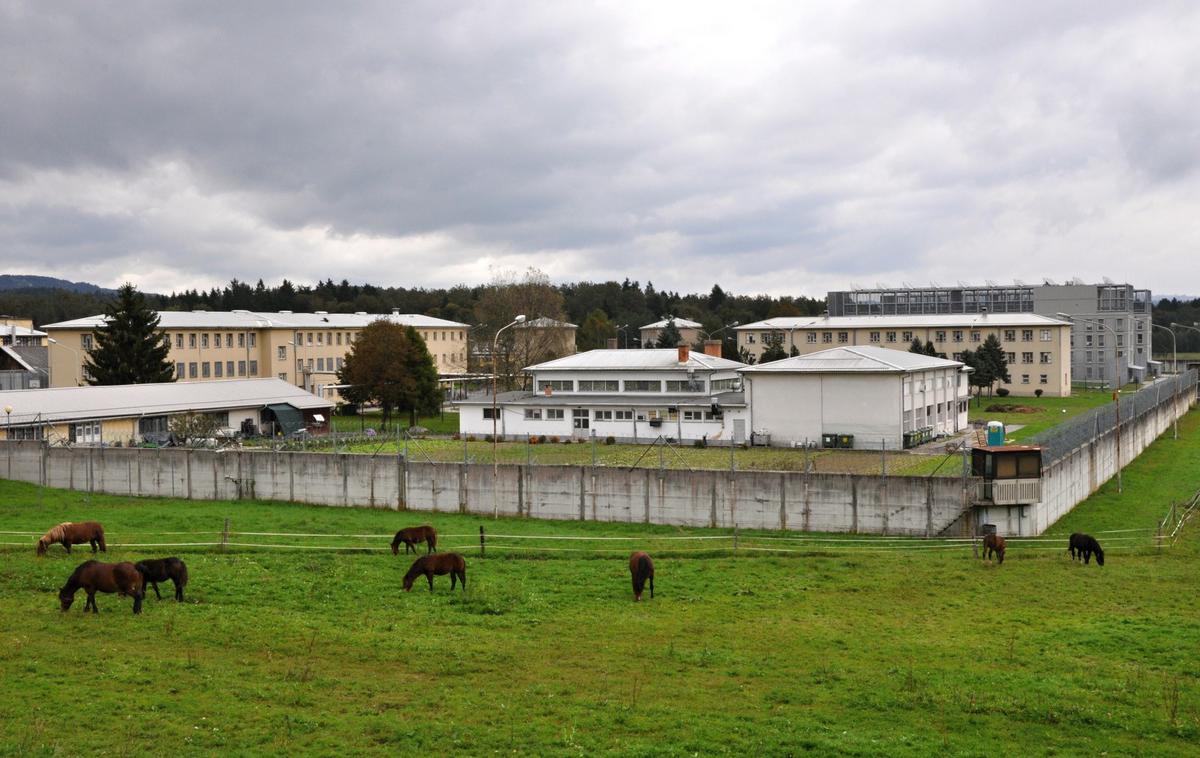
(1174, 346)
(621, 331)
(295, 361)
(1116, 385)
(8, 415)
(495, 463)
(78, 360)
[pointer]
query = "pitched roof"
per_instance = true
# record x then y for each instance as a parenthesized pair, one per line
(635, 359)
(680, 323)
(60, 404)
(854, 360)
(545, 323)
(20, 331)
(921, 321)
(265, 320)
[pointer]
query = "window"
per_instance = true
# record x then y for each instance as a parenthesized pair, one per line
(252, 339)
(339, 338)
(1045, 358)
(811, 337)
(193, 370)
(242, 339)
(320, 338)
(693, 415)
(1087, 340)
(623, 415)
(25, 433)
(976, 335)
(579, 418)
(299, 364)
(328, 339)
(1120, 340)
(308, 338)
(599, 385)
(723, 385)
(1099, 340)
(556, 385)
(533, 414)
(179, 340)
(1043, 379)
(693, 385)
(1024, 378)
(283, 376)
(643, 385)
(320, 364)
(891, 336)
(1010, 335)
(180, 371)
(1045, 335)
(1139, 339)
(602, 415)
(218, 369)
(908, 337)
(1010, 357)
(843, 337)
(203, 340)
(1088, 353)
(192, 341)
(228, 368)
(229, 339)
(749, 338)
(241, 368)
(1026, 357)
(827, 337)
(281, 352)
(340, 362)
(86, 432)
(939, 336)
(253, 368)
(874, 337)
(957, 334)
(1027, 335)
(554, 413)
(490, 413)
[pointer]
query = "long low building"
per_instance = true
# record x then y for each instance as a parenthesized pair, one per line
(630, 395)
(130, 414)
(856, 397)
(1037, 348)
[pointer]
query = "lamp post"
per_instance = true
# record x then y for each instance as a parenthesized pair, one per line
(1116, 386)
(295, 361)
(78, 360)
(8, 426)
(625, 337)
(1174, 370)
(495, 463)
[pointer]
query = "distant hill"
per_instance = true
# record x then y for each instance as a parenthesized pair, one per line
(10, 282)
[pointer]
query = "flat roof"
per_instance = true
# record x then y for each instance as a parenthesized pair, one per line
(636, 359)
(267, 320)
(64, 404)
(917, 321)
(865, 359)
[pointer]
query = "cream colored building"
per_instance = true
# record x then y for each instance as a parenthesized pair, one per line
(689, 331)
(1038, 348)
(305, 349)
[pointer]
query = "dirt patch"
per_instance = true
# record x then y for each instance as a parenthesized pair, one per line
(1007, 408)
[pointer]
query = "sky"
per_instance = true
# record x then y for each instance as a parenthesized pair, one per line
(779, 148)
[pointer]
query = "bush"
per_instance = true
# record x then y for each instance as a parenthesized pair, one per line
(698, 443)
(610, 440)
(566, 440)
(534, 439)
(1002, 392)
(1038, 392)
(487, 438)
(470, 438)
(455, 436)
(554, 440)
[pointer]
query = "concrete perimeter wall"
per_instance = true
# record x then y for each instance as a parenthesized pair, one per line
(750, 499)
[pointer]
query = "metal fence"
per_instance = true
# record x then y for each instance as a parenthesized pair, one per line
(1059, 441)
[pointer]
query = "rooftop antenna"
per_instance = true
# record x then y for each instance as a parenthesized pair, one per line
(907, 286)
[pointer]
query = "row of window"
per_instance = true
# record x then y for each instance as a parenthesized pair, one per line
(1043, 358)
(215, 369)
(633, 385)
(244, 339)
(581, 418)
(892, 337)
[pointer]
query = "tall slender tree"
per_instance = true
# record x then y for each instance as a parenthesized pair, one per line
(992, 361)
(129, 348)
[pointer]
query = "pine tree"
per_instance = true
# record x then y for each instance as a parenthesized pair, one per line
(773, 353)
(930, 350)
(916, 347)
(991, 356)
(669, 336)
(129, 348)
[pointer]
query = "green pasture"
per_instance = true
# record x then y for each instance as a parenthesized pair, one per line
(1046, 411)
(847, 648)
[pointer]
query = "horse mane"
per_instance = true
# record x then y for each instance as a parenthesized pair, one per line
(73, 580)
(55, 534)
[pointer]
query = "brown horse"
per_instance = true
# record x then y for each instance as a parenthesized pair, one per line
(160, 570)
(94, 576)
(994, 544)
(413, 536)
(69, 534)
(641, 568)
(437, 565)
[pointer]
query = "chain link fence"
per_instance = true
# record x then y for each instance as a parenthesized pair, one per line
(1059, 441)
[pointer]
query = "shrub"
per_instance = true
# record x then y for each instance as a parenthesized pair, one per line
(610, 440)
(554, 439)
(534, 439)
(487, 438)
(455, 436)
(698, 443)
(470, 438)
(566, 440)
(1038, 392)
(1002, 392)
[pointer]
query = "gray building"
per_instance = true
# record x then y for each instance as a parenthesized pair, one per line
(1110, 338)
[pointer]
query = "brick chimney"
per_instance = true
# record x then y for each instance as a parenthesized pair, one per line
(611, 343)
(685, 352)
(713, 348)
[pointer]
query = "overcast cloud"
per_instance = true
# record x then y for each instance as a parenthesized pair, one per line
(770, 147)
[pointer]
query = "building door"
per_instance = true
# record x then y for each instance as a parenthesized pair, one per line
(739, 430)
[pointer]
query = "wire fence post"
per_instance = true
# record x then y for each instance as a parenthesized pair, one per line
(465, 456)
(225, 535)
(661, 464)
(593, 448)
(735, 538)
(482, 541)
(883, 458)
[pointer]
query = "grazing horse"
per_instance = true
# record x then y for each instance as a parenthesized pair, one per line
(641, 568)
(994, 544)
(160, 570)
(437, 565)
(1084, 546)
(413, 536)
(69, 534)
(94, 576)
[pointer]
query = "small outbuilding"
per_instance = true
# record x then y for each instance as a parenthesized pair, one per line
(856, 397)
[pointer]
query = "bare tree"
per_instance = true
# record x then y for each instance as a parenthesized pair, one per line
(507, 296)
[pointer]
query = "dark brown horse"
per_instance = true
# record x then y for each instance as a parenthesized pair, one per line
(413, 536)
(437, 565)
(1084, 546)
(641, 568)
(94, 576)
(69, 534)
(160, 570)
(993, 544)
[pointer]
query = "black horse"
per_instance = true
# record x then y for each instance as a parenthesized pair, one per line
(1085, 546)
(160, 570)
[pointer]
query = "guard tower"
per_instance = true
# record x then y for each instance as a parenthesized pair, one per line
(1012, 483)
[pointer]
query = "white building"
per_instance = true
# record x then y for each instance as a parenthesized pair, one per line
(872, 394)
(630, 395)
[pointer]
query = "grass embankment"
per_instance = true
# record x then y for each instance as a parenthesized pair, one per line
(1048, 411)
(864, 652)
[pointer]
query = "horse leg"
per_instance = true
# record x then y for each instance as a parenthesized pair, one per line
(652, 585)
(429, 576)
(156, 592)
(453, 579)
(94, 546)
(67, 545)
(178, 591)
(462, 578)
(92, 600)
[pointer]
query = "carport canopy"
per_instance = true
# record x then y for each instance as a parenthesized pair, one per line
(288, 418)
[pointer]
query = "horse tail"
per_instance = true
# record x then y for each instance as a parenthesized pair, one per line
(645, 568)
(183, 576)
(100, 538)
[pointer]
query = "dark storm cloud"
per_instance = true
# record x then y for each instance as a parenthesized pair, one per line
(772, 147)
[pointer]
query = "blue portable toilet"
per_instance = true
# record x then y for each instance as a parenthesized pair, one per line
(995, 433)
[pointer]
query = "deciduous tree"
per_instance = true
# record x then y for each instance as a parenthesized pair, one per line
(389, 365)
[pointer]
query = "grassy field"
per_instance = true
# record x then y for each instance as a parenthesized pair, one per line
(855, 648)
(1049, 410)
(442, 423)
